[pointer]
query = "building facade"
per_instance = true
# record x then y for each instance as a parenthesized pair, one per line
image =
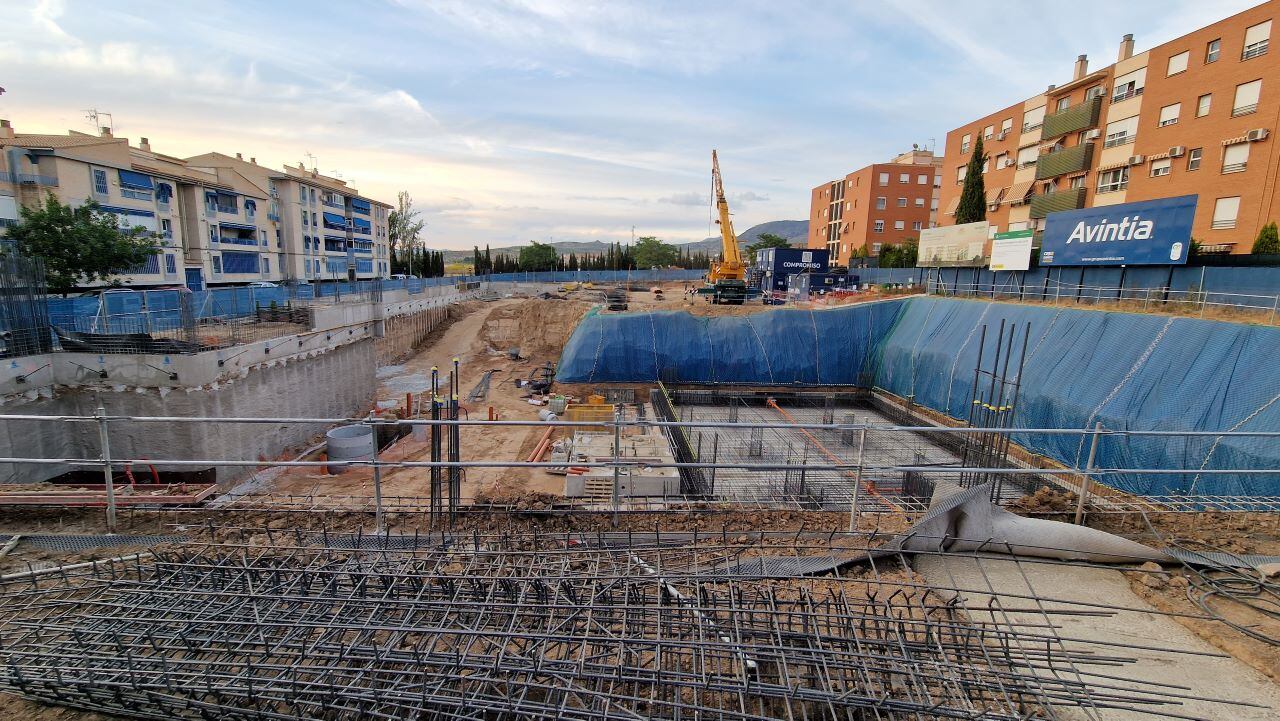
(218, 217)
(882, 204)
(1193, 116)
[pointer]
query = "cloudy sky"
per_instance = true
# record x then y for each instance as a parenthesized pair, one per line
(511, 120)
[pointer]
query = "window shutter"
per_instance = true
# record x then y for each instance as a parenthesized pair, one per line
(1257, 33)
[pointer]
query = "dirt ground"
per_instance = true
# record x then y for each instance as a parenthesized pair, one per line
(480, 339)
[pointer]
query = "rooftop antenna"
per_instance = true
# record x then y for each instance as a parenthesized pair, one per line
(94, 116)
(312, 158)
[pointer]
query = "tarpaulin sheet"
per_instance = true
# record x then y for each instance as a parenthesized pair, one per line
(1128, 371)
(781, 347)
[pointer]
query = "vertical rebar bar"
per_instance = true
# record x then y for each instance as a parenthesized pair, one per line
(1088, 473)
(105, 441)
(617, 465)
(857, 480)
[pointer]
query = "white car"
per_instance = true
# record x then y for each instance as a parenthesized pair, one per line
(262, 284)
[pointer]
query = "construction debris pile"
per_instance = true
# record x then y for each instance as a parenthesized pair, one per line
(570, 626)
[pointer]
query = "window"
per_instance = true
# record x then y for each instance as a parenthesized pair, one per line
(882, 203)
(1129, 85)
(1110, 181)
(1212, 51)
(1247, 95)
(1076, 182)
(250, 209)
(884, 178)
(1006, 125)
(1094, 92)
(1193, 158)
(1033, 119)
(1202, 104)
(1169, 114)
(1225, 211)
(879, 228)
(919, 202)
(916, 225)
(100, 182)
(315, 219)
(217, 265)
(937, 181)
(213, 234)
(1235, 158)
(986, 165)
(1002, 161)
(922, 180)
(960, 173)
(987, 132)
(964, 143)
(1028, 156)
(899, 225)
(1178, 63)
(262, 236)
(902, 202)
(166, 228)
(266, 265)
(1063, 104)
(1160, 167)
(904, 178)
(875, 248)
(302, 194)
(305, 219)
(1255, 40)
(313, 195)
(1121, 132)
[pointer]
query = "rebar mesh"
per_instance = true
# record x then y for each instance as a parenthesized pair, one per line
(568, 627)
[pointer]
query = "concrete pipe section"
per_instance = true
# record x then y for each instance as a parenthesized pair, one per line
(350, 443)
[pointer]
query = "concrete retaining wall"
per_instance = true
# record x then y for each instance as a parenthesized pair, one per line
(336, 383)
(405, 332)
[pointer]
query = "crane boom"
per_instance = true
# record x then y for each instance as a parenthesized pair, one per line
(731, 255)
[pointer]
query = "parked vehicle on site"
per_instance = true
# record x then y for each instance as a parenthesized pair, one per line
(262, 284)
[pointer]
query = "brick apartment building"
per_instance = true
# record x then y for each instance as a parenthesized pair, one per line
(1195, 115)
(883, 203)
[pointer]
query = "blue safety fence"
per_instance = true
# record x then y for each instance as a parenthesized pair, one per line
(1129, 371)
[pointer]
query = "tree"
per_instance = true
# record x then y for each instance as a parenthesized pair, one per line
(653, 253)
(1268, 242)
(80, 245)
(766, 240)
(537, 256)
(403, 226)
(973, 196)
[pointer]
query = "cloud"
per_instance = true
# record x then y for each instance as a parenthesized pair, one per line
(686, 199)
(748, 197)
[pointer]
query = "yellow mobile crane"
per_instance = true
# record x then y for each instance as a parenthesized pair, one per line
(727, 280)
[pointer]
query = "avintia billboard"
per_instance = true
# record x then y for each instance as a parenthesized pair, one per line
(1148, 232)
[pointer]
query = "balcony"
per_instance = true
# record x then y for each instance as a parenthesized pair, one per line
(273, 217)
(29, 178)
(8, 222)
(1081, 117)
(1071, 160)
(1042, 205)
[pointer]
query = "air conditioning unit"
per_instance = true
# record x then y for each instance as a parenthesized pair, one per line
(1259, 134)
(1177, 151)
(1092, 134)
(1137, 159)
(1002, 135)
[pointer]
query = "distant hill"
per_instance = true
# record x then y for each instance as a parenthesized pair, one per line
(795, 231)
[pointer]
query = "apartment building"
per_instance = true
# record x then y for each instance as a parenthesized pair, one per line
(1191, 116)
(324, 229)
(881, 204)
(218, 220)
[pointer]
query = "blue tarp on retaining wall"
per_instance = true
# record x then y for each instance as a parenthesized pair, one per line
(1126, 370)
(1129, 371)
(783, 347)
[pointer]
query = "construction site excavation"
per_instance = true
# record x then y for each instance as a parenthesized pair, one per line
(576, 498)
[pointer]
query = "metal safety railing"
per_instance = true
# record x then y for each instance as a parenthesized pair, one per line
(858, 466)
(1254, 307)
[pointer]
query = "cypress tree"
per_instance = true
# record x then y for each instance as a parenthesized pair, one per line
(1268, 242)
(973, 196)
